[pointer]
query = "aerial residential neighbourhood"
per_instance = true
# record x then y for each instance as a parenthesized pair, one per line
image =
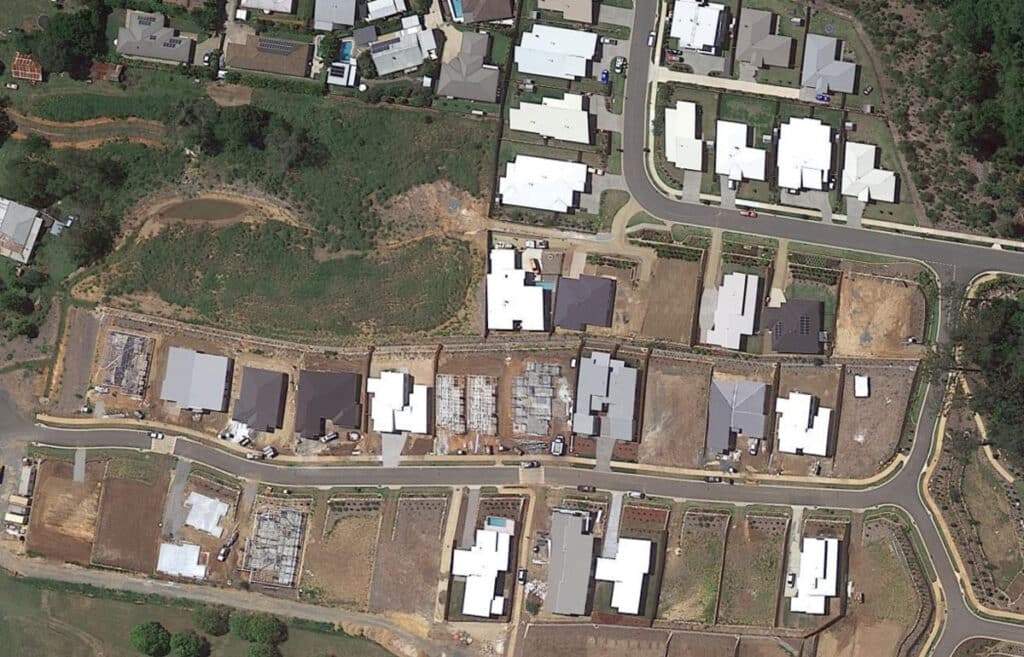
(511, 328)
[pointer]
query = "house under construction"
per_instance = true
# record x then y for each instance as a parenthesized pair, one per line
(273, 552)
(124, 363)
(532, 397)
(467, 402)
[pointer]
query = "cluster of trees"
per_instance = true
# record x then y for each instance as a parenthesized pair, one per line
(70, 41)
(991, 336)
(262, 631)
(210, 16)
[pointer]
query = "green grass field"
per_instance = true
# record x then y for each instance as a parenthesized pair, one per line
(264, 280)
(612, 200)
(38, 621)
(756, 112)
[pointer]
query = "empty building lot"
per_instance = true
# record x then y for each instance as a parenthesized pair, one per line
(877, 315)
(341, 549)
(675, 413)
(76, 359)
(693, 567)
(753, 570)
(410, 543)
(696, 644)
(870, 428)
(672, 306)
(593, 641)
(62, 524)
(131, 511)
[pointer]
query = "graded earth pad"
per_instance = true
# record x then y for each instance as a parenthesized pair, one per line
(877, 316)
(693, 568)
(675, 413)
(340, 550)
(672, 303)
(62, 524)
(128, 531)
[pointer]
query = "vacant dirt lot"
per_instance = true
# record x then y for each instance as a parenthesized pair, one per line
(877, 315)
(76, 359)
(62, 524)
(128, 531)
(340, 550)
(753, 571)
(696, 644)
(675, 413)
(869, 429)
(410, 544)
(593, 641)
(693, 567)
(672, 304)
(229, 95)
(769, 647)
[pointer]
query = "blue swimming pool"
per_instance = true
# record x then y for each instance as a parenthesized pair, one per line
(456, 6)
(345, 52)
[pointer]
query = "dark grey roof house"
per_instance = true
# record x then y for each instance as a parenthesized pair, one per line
(584, 301)
(467, 76)
(260, 405)
(823, 71)
(795, 326)
(477, 11)
(572, 555)
(364, 36)
(757, 44)
(734, 408)
(145, 36)
(324, 396)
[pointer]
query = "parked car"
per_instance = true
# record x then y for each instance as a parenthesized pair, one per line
(754, 445)
(269, 451)
(326, 438)
(530, 464)
(223, 553)
(748, 213)
(791, 580)
(604, 76)
(619, 64)
(156, 435)
(542, 244)
(651, 38)
(558, 446)
(531, 244)
(254, 456)
(822, 98)
(636, 494)
(206, 59)
(12, 85)
(868, 89)
(353, 436)
(712, 480)
(583, 488)
(610, 41)
(244, 442)
(521, 576)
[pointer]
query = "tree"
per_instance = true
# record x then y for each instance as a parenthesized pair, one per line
(264, 650)
(27, 181)
(364, 63)
(17, 301)
(257, 628)
(92, 239)
(151, 639)
(189, 644)
(210, 16)
(69, 42)
(211, 620)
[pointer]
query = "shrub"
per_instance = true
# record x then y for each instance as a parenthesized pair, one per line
(257, 628)
(151, 639)
(189, 644)
(211, 620)
(264, 650)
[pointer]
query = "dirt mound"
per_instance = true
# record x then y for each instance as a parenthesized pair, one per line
(229, 95)
(437, 208)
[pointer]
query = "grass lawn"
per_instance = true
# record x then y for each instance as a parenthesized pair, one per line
(466, 106)
(23, 13)
(501, 45)
(625, 4)
(94, 623)
(788, 110)
(618, 84)
(641, 218)
(870, 129)
(690, 589)
(842, 29)
(510, 149)
(612, 200)
(615, 157)
(232, 276)
(815, 292)
(756, 112)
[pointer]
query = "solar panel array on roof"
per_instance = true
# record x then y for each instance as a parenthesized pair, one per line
(275, 46)
(146, 20)
(381, 46)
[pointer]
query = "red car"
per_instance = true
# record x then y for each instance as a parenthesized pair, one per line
(748, 213)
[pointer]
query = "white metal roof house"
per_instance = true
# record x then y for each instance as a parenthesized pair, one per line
(733, 155)
(513, 302)
(397, 404)
(555, 52)
(196, 381)
(558, 118)
(19, 230)
(377, 9)
(735, 310)
(480, 565)
(682, 146)
(329, 15)
(605, 397)
(627, 571)
(537, 182)
(180, 560)
(804, 426)
(404, 50)
(818, 578)
(276, 6)
(862, 179)
(698, 25)
(805, 154)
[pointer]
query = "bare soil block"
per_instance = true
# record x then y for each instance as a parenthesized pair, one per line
(699, 644)
(876, 316)
(410, 543)
(675, 413)
(674, 294)
(753, 571)
(62, 524)
(559, 640)
(870, 429)
(77, 359)
(128, 531)
(693, 568)
(341, 549)
(770, 647)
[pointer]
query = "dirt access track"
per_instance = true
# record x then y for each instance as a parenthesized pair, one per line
(92, 133)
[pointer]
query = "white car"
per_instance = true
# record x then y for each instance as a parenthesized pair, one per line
(651, 38)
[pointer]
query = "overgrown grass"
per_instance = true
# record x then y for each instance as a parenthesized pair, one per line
(816, 292)
(264, 280)
(612, 200)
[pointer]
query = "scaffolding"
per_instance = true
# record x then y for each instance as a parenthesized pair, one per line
(451, 403)
(125, 362)
(532, 396)
(482, 404)
(272, 552)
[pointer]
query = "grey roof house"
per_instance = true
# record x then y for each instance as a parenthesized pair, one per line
(327, 396)
(734, 408)
(757, 44)
(572, 556)
(795, 326)
(584, 301)
(364, 36)
(477, 11)
(145, 36)
(195, 381)
(466, 75)
(823, 71)
(330, 15)
(260, 404)
(19, 230)
(605, 397)
(405, 50)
